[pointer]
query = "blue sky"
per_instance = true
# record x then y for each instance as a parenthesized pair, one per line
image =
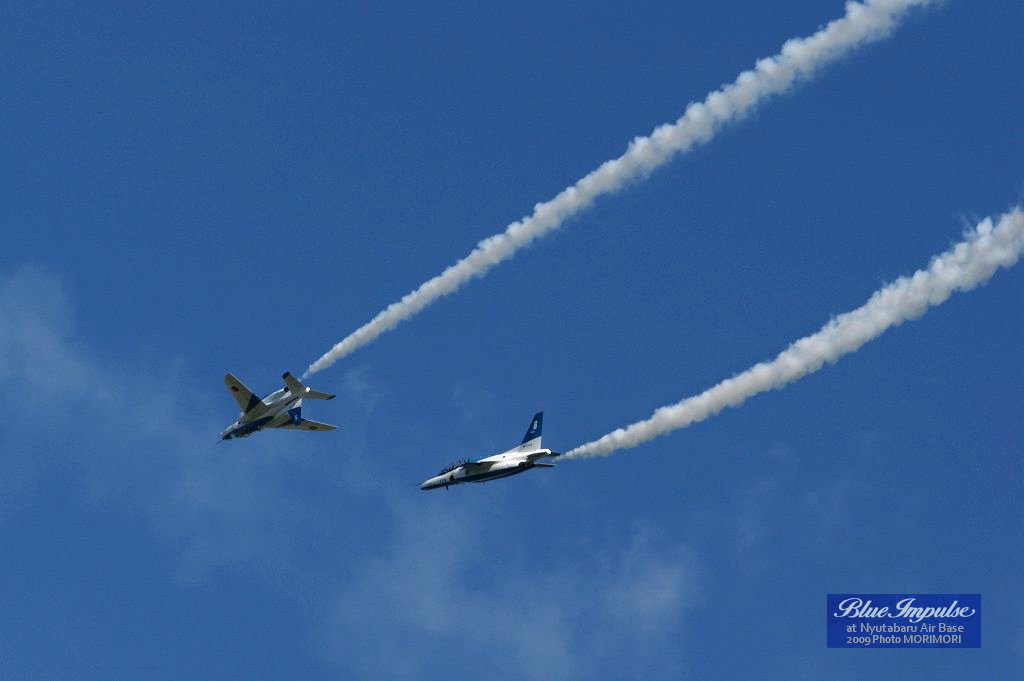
(192, 190)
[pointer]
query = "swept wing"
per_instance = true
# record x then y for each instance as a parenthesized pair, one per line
(246, 399)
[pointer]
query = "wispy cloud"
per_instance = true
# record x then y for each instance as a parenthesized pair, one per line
(385, 565)
(799, 59)
(138, 438)
(447, 588)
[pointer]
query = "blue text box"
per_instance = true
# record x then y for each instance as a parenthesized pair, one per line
(904, 620)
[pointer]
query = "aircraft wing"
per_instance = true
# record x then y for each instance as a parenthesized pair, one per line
(476, 467)
(245, 398)
(306, 424)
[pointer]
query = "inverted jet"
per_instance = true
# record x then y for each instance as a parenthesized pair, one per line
(280, 409)
(518, 460)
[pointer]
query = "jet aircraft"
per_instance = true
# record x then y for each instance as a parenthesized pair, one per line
(518, 460)
(280, 409)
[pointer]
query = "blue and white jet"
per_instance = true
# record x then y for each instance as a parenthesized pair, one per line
(280, 409)
(519, 460)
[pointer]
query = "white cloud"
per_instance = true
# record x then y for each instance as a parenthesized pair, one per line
(129, 440)
(470, 601)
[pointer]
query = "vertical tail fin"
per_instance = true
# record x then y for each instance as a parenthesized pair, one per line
(532, 438)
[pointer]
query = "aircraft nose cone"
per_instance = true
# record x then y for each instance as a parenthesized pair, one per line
(431, 483)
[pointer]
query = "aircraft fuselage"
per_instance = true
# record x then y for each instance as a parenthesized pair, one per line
(492, 468)
(280, 409)
(512, 462)
(276, 409)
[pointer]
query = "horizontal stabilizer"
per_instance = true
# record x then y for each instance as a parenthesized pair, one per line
(544, 465)
(295, 387)
(317, 395)
(306, 424)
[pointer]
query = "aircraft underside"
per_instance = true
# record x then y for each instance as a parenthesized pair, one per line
(247, 429)
(280, 409)
(484, 477)
(454, 478)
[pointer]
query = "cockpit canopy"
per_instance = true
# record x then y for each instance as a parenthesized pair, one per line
(452, 466)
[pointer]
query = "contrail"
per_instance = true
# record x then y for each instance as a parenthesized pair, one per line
(970, 263)
(798, 60)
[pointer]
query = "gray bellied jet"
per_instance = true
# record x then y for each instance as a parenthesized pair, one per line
(280, 409)
(518, 460)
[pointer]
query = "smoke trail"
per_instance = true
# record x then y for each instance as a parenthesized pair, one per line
(799, 59)
(968, 264)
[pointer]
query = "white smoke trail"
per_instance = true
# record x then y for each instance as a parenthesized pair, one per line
(968, 264)
(799, 59)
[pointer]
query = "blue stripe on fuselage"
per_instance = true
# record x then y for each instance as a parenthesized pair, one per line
(484, 477)
(251, 427)
(253, 401)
